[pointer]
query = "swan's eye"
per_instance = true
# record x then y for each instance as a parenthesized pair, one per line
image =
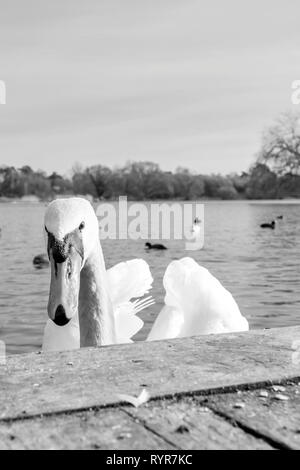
(81, 226)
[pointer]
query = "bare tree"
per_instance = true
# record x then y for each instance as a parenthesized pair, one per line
(281, 145)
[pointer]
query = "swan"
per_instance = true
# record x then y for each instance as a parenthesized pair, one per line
(196, 228)
(88, 306)
(196, 303)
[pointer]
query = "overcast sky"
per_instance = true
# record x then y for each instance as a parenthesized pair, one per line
(179, 82)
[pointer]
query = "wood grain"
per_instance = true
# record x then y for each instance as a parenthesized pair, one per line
(194, 427)
(277, 420)
(105, 429)
(56, 382)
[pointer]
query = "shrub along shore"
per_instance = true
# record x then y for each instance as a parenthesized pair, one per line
(146, 181)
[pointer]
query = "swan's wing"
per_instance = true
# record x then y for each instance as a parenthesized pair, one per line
(205, 305)
(167, 325)
(127, 322)
(128, 280)
(61, 338)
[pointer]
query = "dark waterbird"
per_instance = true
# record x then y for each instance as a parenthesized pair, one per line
(156, 246)
(279, 217)
(40, 261)
(271, 225)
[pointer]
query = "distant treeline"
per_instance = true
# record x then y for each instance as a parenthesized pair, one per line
(275, 175)
(145, 180)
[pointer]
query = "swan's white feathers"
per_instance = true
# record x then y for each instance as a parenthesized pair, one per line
(167, 325)
(65, 215)
(127, 322)
(128, 280)
(196, 230)
(61, 338)
(196, 303)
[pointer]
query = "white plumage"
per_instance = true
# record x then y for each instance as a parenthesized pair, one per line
(196, 303)
(126, 281)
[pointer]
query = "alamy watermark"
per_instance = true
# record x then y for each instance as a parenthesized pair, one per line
(295, 97)
(2, 92)
(164, 221)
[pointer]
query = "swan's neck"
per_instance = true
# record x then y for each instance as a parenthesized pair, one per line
(96, 320)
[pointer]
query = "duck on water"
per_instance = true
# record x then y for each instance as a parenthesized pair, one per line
(40, 261)
(269, 225)
(155, 246)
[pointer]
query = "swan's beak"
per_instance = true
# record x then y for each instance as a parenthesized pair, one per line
(64, 289)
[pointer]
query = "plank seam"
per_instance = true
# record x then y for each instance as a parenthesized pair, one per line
(276, 444)
(170, 396)
(144, 423)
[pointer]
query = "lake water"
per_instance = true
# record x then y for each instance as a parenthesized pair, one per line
(260, 267)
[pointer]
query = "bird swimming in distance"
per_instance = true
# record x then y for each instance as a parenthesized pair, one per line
(155, 246)
(267, 225)
(279, 217)
(196, 228)
(40, 261)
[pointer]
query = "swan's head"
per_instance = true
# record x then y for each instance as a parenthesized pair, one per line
(71, 230)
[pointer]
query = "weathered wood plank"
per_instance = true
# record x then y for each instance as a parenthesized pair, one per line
(278, 420)
(105, 429)
(191, 426)
(46, 383)
(164, 425)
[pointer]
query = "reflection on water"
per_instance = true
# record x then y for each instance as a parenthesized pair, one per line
(260, 267)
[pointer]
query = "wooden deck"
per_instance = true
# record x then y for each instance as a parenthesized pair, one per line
(209, 392)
